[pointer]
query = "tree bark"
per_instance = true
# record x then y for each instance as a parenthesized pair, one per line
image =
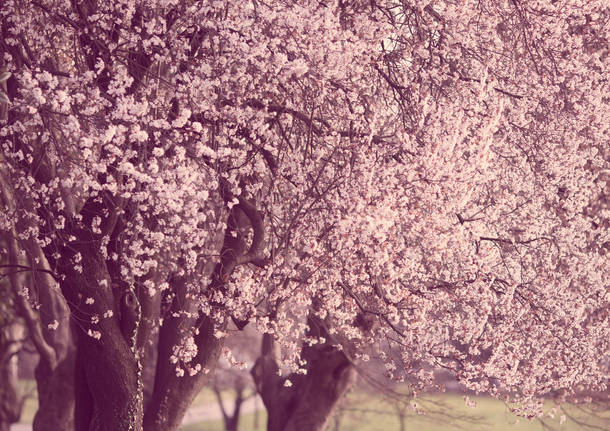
(108, 382)
(109, 374)
(310, 402)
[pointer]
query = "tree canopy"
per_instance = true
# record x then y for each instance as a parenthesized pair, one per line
(428, 177)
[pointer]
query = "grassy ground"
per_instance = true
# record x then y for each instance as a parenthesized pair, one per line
(247, 422)
(363, 412)
(442, 413)
(28, 387)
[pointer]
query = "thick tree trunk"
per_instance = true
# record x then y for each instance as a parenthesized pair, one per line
(109, 392)
(310, 402)
(108, 382)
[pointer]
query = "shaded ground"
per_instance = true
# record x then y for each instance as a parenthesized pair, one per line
(196, 414)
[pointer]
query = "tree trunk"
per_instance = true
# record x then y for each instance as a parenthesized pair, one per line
(310, 402)
(403, 422)
(231, 421)
(107, 380)
(109, 384)
(49, 330)
(55, 385)
(173, 394)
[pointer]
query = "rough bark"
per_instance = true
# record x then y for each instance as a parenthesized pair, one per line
(109, 379)
(108, 384)
(147, 339)
(310, 402)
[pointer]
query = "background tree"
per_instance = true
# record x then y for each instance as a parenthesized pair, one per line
(183, 164)
(308, 398)
(11, 342)
(232, 383)
(34, 288)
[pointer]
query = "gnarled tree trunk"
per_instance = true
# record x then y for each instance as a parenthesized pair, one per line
(309, 403)
(106, 315)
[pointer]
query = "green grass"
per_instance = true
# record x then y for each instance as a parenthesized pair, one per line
(364, 412)
(28, 388)
(450, 413)
(246, 423)
(440, 413)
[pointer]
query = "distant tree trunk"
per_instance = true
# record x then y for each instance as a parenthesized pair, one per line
(256, 413)
(338, 417)
(49, 331)
(403, 423)
(55, 395)
(231, 421)
(309, 403)
(55, 384)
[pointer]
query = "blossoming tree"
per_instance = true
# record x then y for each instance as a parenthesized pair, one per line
(426, 176)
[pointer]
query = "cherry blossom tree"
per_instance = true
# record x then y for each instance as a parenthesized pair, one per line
(427, 176)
